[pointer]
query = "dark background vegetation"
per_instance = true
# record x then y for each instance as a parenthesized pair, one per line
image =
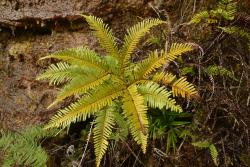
(30, 30)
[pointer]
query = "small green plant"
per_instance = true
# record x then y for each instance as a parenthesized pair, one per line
(23, 148)
(225, 9)
(214, 70)
(212, 149)
(114, 83)
(169, 126)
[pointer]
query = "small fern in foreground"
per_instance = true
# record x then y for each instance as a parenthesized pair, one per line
(23, 148)
(113, 83)
(212, 149)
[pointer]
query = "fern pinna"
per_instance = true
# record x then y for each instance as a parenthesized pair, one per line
(104, 82)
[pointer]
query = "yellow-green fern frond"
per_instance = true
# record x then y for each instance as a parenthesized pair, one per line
(80, 85)
(104, 123)
(149, 65)
(135, 110)
(104, 34)
(61, 72)
(177, 49)
(184, 88)
(164, 78)
(86, 106)
(81, 56)
(197, 18)
(134, 34)
(157, 97)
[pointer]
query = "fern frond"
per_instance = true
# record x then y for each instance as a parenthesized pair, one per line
(184, 88)
(219, 71)
(81, 56)
(134, 34)
(164, 78)
(149, 65)
(80, 85)
(104, 34)
(86, 106)
(177, 49)
(135, 110)
(23, 148)
(197, 18)
(104, 123)
(226, 8)
(236, 31)
(61, 72)
(157, 97)
(214, 154)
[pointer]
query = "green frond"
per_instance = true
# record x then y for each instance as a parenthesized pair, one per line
(135, 110)
(104, 34)
(149, 65)
(134, 34)
(164, 78)
(157, 97)
(177, 49)
(81, 56)
(236, 31)
(22, 148)
(80, 85)
(197, 18)
(104, 123)
(61, 72)
(214, 154)
(184, 88)
(86, 106)
(220, 71)
(226, 8)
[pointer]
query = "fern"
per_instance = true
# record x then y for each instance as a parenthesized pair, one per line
(104, 123)
(134, 34)
(183, 88)
(212, 149)
(23, 148)
(219, 71)
(105, 85)
(225, 9)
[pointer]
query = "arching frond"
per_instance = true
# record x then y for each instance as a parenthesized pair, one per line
(157, 97)
(81, 56)
(184, 88)
(197, 18)
(134, 34)
(177, 49)
(104, 123)
(149, 65)
(61, 72)
(104, 34)
(135, 110)
(86, 106)
(164, 78)
(80, 85)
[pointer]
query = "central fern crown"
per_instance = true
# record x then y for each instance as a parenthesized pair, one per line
(113, 83)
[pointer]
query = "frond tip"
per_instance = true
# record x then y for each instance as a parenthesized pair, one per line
(103, 127)
(184, 88)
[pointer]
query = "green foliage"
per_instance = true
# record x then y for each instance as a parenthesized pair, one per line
(219, 71)
(234, 30)
(212, 149)
(23, 148)
(225, 9)
(170, 124)
(113, 84)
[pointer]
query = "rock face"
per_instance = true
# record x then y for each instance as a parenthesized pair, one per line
(39, 13)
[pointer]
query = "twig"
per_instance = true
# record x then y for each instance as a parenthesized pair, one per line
(86, 146)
